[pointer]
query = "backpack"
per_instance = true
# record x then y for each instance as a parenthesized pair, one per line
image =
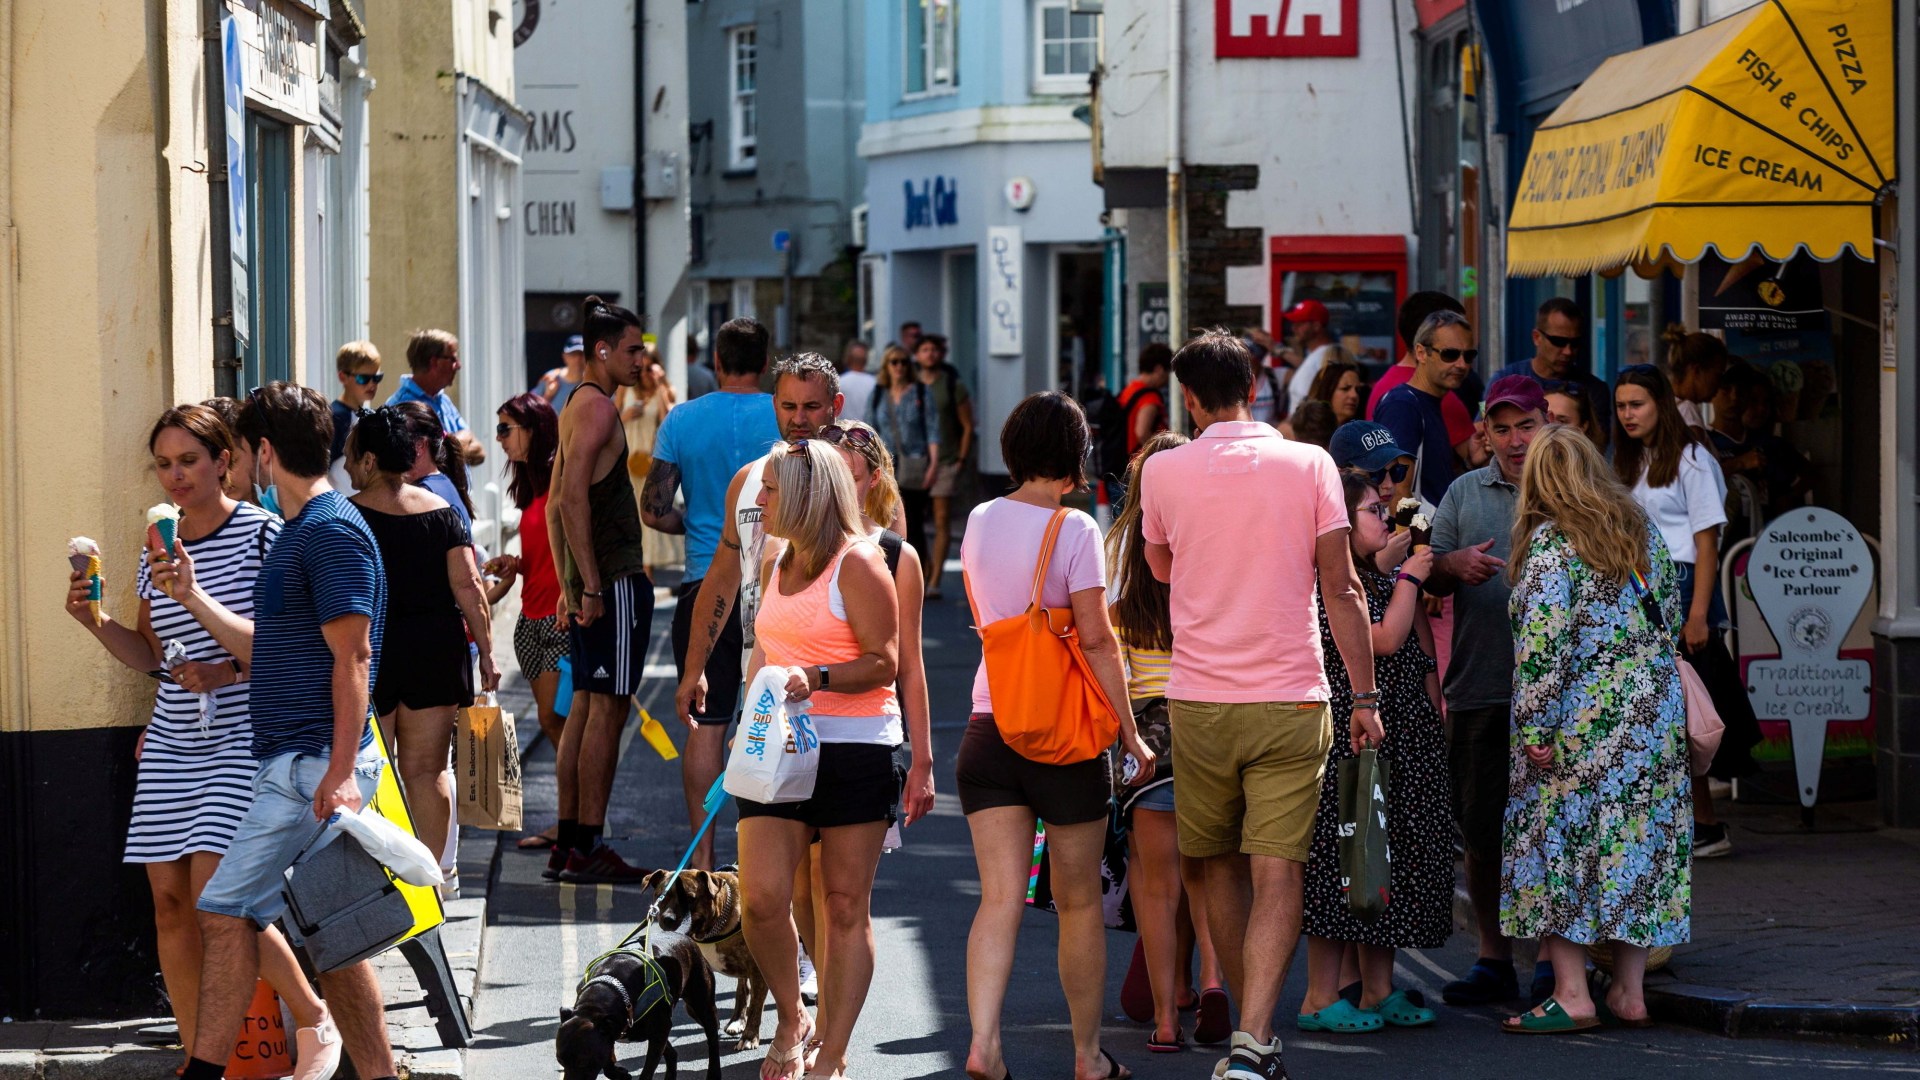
(1107, 416)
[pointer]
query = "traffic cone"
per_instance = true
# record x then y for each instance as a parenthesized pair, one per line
(263, 1050)
(1102, 509)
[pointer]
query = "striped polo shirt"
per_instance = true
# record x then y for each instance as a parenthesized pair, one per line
(323, 567)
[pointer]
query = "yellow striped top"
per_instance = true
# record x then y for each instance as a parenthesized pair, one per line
(1147, 671)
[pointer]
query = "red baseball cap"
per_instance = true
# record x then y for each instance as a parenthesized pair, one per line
(1306, 311)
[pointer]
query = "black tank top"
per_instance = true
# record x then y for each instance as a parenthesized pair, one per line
(615, 517)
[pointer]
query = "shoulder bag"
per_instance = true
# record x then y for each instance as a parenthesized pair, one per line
(1047, 703)
(1704, 726)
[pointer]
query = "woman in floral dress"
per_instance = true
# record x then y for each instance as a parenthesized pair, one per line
(1599, 825)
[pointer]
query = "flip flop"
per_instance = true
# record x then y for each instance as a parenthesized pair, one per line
(1553, 1020)
(1190, 1002)
(1405, 1008)
(1114, 1071)
(1215, 1025)
(1340, 1018)
(794, 1055)
(1177, 1046)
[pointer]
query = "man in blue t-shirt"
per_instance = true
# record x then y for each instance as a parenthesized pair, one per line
(310, 654)
(1555, 363)
(433, 357)
(1443, 354)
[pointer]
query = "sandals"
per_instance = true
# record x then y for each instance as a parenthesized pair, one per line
(1215, 1024)
(1613, 1019)
(792, 1061)
(1114, 1069)
(1177, 1046)
(1405, 1008)
(1552, 1020)
(1340, 1018)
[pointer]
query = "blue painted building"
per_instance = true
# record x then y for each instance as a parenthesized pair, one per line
(983, 222)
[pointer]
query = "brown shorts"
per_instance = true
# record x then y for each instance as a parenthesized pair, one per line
(1246, 777)
(946, 480)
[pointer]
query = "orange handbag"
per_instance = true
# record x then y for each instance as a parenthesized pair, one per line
(1047, 703)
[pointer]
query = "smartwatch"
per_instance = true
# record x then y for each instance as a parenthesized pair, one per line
(824, 678)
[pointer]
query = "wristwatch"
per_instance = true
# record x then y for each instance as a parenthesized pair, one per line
(824, 679)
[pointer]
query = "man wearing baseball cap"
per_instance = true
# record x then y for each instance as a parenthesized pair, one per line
(558, 385)
(1309, 334)
(1472, 531)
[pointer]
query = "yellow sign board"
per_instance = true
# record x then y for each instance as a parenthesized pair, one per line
(1772, 128)
(389, 803)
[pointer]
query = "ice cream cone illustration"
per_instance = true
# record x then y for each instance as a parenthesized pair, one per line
(84, 555)
(163, 524)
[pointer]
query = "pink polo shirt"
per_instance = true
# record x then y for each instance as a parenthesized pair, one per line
(1242, 509)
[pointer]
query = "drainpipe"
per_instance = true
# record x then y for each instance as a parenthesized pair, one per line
(639, 301)
(226, 359)
(1176, 210)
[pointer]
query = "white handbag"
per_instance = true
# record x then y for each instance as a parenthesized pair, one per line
(776, 755)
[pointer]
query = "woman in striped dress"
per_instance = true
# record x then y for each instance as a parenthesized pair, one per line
(196, 764)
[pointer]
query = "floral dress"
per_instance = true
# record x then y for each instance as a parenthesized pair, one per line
(1599, 845)
(1419, 817)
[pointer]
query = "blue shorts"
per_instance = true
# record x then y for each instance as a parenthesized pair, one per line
(1158, 797)
(276, 831)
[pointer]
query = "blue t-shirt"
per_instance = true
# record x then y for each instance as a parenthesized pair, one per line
(442, 485)
(324, 566)
(1599, 400)
(1418, 427)
(442, 405)
(710, 438)
(343, 420)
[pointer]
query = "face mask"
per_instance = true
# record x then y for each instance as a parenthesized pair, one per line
(269, 496)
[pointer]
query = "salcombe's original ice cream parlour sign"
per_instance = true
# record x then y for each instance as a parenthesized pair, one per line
(1810, 573)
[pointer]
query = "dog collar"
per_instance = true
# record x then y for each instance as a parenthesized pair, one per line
(626, 1002)
(726, 915)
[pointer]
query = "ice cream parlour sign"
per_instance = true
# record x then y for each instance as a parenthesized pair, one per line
(1809, 574)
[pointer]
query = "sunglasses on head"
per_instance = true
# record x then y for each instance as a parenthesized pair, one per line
(834, 435)
(1452, 356)
(1398, 471)
(370, 380)
(1559, 342)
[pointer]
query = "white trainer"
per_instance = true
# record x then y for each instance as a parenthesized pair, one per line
(319, 1050)
(809, 982)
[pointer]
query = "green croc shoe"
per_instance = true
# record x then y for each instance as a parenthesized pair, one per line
(1405, 1008)
(1340, 1018)
(1553, 1020)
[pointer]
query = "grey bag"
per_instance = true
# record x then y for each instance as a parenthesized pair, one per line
(343, 907)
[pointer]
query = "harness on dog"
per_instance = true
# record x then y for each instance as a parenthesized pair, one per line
(655, 991)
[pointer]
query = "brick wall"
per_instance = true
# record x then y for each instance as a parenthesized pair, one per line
(1212, 246)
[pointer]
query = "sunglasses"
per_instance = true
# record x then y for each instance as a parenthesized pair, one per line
(370, 380)
(1453, 356)
(257, 401)
(500, 430)
(858, 438)
(897, 363)
(1398, 470)
(1559, 342)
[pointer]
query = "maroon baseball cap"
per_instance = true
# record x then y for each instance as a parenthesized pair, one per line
(1523, 392)
(1306, 311)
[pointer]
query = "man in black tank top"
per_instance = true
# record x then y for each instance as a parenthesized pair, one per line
(606, 600)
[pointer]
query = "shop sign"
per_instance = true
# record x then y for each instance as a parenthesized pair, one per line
(1005, 256)
(1759, 296)
(1286, 28)
(1153, 318)
(282, 57)
(935, 202)
(233, 82)
(1810, 573)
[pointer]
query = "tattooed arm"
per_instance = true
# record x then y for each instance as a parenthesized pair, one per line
(718, 591)
(657, 511)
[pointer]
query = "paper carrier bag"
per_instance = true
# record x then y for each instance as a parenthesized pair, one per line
(486, 766)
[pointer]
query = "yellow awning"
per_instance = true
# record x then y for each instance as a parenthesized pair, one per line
(1769, 129)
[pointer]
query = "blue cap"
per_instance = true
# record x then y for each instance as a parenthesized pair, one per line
(576, 343)
(1363, 444)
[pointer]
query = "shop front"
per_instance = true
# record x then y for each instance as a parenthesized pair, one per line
(998, 246)
(1749, 166)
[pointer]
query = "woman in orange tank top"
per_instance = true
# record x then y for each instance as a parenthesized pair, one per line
(828, 616)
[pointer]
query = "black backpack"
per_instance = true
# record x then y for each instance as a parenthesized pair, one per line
(1107, 416)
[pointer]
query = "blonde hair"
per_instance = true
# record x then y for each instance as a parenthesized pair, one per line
(1566, 484)
(884, 377)
(884, 499)
(353, 354)
(817, 509)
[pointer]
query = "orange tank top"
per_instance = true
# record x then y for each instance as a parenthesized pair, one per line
(802, 631)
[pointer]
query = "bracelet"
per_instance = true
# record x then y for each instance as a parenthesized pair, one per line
(237, 673)
(1374, 705)
(1371, 697)
(1404, 576)
(595, 595)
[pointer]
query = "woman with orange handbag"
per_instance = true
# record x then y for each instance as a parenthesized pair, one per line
(1037, 583)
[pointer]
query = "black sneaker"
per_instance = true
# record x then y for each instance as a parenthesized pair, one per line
(1488, 982)
(1711, 841)
(1251, 1061)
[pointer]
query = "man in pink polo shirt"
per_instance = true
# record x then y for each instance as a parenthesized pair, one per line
(1238, 522)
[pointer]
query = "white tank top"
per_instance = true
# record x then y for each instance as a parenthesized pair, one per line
(753, 541)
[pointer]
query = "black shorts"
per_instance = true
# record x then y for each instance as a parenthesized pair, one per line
(424, 664)
(609, 656)
(723, 664)
(858, 785)
(1479, 748)
(989, 773)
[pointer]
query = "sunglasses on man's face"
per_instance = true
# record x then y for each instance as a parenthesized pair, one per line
(1454, 356)
(1559, 342)
(1398, 470)
(369, 380)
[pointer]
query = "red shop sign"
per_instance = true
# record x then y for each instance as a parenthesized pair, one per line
(1286, 28)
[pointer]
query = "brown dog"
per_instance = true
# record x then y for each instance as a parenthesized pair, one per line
(706, 907)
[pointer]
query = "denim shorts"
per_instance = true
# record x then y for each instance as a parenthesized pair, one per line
(276, 831)
(1158, 797)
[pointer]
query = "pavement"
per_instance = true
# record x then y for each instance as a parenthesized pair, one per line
(1813, 929)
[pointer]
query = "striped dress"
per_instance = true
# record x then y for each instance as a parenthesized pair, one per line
(196, 775)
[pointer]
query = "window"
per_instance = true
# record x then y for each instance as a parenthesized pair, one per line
(933, 46)
(269, 352)
(1066, 47)
(743, 127)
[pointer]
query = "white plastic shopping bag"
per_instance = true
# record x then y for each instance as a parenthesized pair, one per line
(391, 846)
(776, 755)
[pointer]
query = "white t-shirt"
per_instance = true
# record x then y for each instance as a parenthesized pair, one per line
(753, 541)
(857, 388)
(1697, 500)
(882, 730)
(998, 556)
(1301, 384)
(1696, 414)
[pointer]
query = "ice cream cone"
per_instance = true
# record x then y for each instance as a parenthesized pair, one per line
(1422, 530)
(163, 524)
(83, 554)
(93, 588)
(1405, 511)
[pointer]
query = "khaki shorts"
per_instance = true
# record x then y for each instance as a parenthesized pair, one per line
(1246, 777)
(946, 479)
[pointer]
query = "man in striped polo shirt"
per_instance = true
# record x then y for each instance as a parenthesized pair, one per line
(311, 652)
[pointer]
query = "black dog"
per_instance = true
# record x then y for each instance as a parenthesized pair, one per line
(630, 994)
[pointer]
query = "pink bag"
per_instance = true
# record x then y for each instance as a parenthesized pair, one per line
(1704, 726)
